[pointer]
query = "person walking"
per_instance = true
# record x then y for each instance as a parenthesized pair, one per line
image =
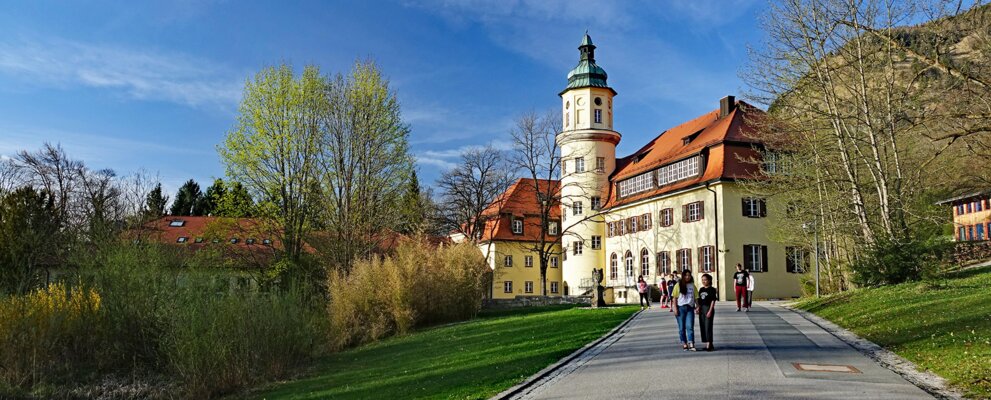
(684, 293)
(644, 292)
(708, 296)
(670, 284)
(750, 291)
(740, 280)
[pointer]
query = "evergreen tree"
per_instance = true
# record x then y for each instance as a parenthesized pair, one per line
(236, 202)
(413, 207)
(155, 202)
(186, 198)
(29, 229)
(209, 203)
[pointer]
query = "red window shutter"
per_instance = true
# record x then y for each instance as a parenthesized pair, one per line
(608, 229)
(701, 261)
(688, 257)
(650, 216)
(701, 210)
(684, 213)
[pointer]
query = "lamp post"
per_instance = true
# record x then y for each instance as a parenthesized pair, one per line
(815, 236)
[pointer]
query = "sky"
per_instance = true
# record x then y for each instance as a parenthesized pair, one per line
(154, 86)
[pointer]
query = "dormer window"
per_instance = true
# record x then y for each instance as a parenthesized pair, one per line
(517, 226)
(688, 139)
(177, 223)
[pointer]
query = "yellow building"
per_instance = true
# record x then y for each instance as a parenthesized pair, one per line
(672, 205)
(511, 242)
(677, 203)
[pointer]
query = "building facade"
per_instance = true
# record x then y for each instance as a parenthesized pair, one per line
(678, 203)
(971, 216)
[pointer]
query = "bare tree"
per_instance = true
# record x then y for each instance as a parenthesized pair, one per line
(468, 189)
(53, 171)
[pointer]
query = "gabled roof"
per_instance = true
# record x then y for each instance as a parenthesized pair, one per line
(520, 201)
(723, 139)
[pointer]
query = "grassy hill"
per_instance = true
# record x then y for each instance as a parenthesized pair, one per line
(941, 326)
(471, 360)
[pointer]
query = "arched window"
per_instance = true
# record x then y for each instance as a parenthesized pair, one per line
(644, 263)
(629, 265)
(613, 267)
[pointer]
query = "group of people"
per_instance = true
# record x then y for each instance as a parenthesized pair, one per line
(685, 300)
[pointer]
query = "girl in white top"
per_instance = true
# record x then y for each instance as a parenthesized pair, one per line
(684, 294)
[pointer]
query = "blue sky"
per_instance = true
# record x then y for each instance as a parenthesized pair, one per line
(155, 86)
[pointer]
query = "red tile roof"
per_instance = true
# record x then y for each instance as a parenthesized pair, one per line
(520, 200)
(726, 142)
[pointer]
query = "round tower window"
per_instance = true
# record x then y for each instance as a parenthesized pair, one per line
(598, 101)
(567, 104)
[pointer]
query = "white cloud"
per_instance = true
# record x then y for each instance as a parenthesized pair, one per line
(141, 74)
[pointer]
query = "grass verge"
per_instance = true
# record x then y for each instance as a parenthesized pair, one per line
(475, 360)
(943, 327)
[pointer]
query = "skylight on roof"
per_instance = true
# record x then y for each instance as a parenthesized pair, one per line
(182, 239)
(177, 223)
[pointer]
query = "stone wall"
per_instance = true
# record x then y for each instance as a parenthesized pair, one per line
(535, 301)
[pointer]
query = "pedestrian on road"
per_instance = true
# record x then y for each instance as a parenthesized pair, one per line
(644, 292)
(740, 279)
(708, 296)
(750, 291)
(684, 293)
(663, 287)
(670, 283)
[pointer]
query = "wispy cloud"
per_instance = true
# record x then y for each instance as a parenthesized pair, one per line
(141, 74)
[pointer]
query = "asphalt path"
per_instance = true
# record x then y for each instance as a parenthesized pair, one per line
(767, 353)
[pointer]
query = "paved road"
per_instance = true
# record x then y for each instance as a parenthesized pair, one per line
(754, 359)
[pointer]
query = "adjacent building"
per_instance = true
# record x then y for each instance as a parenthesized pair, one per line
(971, 216)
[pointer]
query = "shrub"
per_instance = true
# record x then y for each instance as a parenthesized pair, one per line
(891, 261)
(418, 285)
(45, 334)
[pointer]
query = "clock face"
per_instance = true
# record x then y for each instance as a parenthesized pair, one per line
(580, 101)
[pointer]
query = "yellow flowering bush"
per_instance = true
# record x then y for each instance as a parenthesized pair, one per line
(40, 332)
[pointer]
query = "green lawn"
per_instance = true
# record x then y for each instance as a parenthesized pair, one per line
(945, 329)
(474, 360)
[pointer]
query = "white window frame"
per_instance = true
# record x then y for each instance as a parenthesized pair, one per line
(684, 259)
(528, 261)
(598, 116)
(694, 211)
(577, 208)
(645, 262)
(528, 287)
(613, 266)
(600, 164)
(579, 164)
(707, 260)
(755, 263)
(507, 287)
(507, 261)
(577, 247)
(554, 287)
(554, 261)
(663, 262)
(596, 202)
(667, 217)
(629, 264)
(596, 242)
(517, 226)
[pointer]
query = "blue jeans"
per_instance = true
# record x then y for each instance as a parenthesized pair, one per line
(686, 323)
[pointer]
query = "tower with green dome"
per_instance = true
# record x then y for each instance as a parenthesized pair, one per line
(588, 154)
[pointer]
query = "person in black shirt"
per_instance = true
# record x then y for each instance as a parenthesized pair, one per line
(706, 309)
(740, 279)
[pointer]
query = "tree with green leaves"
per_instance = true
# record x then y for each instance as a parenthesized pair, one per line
(413, 207)
(186, 199)
(29, 230)
(236, 202)
(155, 202)
(365, 161)
(211, 198)
(275, 146)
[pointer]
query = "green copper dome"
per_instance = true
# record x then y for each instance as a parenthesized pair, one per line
(586, 73)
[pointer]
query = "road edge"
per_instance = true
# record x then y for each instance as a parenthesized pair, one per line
(550, 369)
(925, 380)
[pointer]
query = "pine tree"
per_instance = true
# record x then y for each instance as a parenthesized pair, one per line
(413, 208)
(209, 203)
(186, 198)
(236, 202)
(155, 202)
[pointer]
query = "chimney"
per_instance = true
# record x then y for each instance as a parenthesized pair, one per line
(726, 105)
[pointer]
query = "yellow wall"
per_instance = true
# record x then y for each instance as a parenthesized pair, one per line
(735, 231)
(519, 273)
